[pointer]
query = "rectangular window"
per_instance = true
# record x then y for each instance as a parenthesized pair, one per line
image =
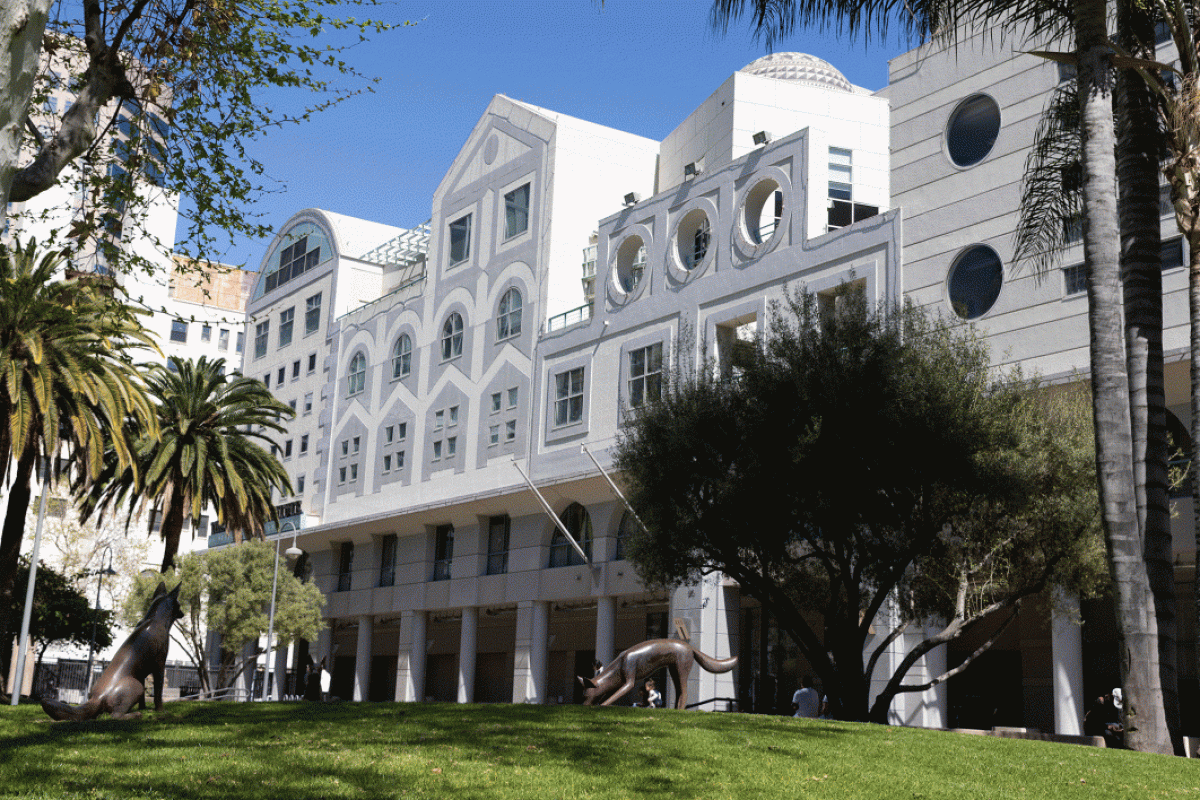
(300, 485)
(206, 333)
(1172, 253)
(295, 369)
(345, 447)
(202, 528)
(312, 314)
(439, 419)
(241, 341)
(645, 374)
(356, 443)
(304, 444)
(516, 211)
(389, 434)
(345, 565)
(223, 339)
(312, 363)
(400, 459)
(287, 449)
(437, 450)
(494, 435)
(387, 463)
(495, 402)
(443, 551)
(267, 380)
(387, 560)
(341, 475)
(498, 527)
(308, 403)
(292, 405)
(512, 397)
(568, 397)
(451, 446)
(1074, 279)
(460, 240)
(286, 318)
(281, 377)
(510, 430)
(261, 331)
(402, 431)
(452, 416)
(178, 330)
(354, 472)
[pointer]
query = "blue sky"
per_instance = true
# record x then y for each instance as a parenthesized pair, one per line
(636, 65)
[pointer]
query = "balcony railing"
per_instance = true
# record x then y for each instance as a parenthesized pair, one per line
(569, 318)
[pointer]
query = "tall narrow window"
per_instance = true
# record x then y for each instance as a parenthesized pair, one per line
(312, 363)
(261, 331)
(443, 551)
(498, 528)
(402, 356)
(312, 314)
(241, 342)
(345, 565)
(645, 374)
(508, 321)
(178, 330)
(357, 377)
(223, 339)
(460, 240)
(286, 320)
(579, 524)
(452, 337)
(206, 333)
(568, 396)
(387, 560)
(623, 531)
(516, 211)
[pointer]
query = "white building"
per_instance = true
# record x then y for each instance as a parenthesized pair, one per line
(458, 370)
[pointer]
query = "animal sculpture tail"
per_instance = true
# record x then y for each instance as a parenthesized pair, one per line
(717, 665)
(79, 713)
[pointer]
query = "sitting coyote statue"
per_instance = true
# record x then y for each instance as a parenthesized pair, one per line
(641, 661)
(123, 683)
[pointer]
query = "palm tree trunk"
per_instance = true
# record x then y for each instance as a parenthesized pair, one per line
(1138, 149)
(172, 529)
(1145, 721)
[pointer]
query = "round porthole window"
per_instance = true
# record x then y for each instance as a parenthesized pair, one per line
(631, 263)
(693, 238)
(972, 130)
(762, 211)
(975, 281)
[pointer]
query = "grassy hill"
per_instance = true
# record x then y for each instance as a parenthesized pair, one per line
(294, 751)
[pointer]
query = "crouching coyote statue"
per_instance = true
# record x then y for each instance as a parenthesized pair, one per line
(641, 661)
(123, 683)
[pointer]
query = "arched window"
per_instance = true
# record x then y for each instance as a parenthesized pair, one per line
(402, 356)
(452, 337)
(357, 378)
(508, 321)
(576, 520)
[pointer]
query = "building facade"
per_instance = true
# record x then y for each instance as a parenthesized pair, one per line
(463, 382)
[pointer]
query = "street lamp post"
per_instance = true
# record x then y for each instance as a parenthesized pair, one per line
(292, 554)
(96, 616)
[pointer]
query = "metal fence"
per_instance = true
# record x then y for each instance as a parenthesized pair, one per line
(66, 680)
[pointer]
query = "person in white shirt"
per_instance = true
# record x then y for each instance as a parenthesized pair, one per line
(806, 702)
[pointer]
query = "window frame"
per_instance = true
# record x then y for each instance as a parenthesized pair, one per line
(508, 315)
(262, 332)
(387, 560)
(356, 378)
(312, 314)
(513, 211)
(443, 552)
(402, 357)
(569, 398)
(452, 336)
(459, 231)
(562, 554)
(499, 533)
(287, 322)
(179, 331)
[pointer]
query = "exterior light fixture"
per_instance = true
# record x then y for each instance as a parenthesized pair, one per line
(692, 170)
(762, 137)
(632, 199)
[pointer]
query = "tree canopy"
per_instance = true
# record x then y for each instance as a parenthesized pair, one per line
(865, 457)
(228, 592)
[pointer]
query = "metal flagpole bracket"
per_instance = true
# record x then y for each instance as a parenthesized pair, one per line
(550, 513)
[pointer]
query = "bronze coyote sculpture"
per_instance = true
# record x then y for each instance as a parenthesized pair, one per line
(123, 683)
(641, 661)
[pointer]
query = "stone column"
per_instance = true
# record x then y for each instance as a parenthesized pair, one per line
(531, 651)
(281, 659)
(410, 662)
(606, 621)
(466, 654)
(1066, 648)
(362, 658)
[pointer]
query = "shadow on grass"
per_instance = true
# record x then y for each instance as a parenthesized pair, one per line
(327, 750)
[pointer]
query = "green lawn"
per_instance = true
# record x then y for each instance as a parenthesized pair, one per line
(290, 750)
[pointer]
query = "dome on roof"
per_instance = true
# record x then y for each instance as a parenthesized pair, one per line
(799, 68)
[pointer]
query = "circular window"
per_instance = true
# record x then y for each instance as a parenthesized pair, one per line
(762, 211)
(972, 131)
(975, 281)
(631, 263)
(692, 239)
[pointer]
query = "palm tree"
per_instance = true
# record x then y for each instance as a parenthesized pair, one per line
(67, 384)
(206, 454)
(1137, 630)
